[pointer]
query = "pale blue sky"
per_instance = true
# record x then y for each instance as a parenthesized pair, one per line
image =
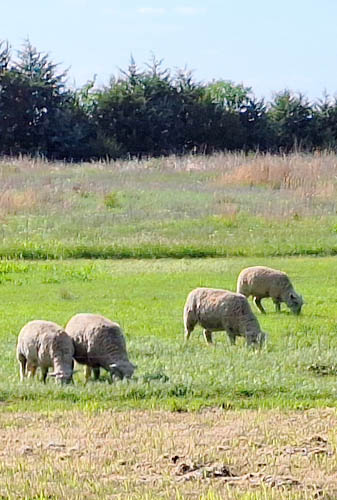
(268, 45)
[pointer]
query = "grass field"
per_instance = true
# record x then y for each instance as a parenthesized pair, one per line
(195, 421)
(253, 408)
(224, 205)
(147, 299)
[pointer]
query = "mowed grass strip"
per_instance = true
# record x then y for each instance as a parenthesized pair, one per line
(296, 369)
(210, 455)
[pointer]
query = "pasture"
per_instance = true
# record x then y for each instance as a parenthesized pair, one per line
(223, 205)
(296, 369)
(195, 421)
(202, 422)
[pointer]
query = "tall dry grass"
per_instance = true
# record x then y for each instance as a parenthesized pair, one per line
(314, 172)
(223, 203)
(305, 175)
(14, 202)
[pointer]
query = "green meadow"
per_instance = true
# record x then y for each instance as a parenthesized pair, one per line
(224, 205)
(130, 240)
(296, 369)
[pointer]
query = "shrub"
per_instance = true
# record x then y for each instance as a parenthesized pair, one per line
(111, 200)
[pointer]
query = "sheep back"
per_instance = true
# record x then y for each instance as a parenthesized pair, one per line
(45, 344)
(262, 282)
(99, 342)
(217, 309)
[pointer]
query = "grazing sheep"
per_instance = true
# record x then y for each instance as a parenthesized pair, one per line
(261, 282)
(99, 343)
(217, 310)
(45, 344)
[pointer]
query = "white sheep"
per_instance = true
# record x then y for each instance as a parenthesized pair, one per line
(99, 343)
(261, 282)
(45, 344)
(217, 310)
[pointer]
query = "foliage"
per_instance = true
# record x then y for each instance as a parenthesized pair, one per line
(326, 123)
(142, 111)
(147, 112)
(227, 95)
(111, 200)
(5, 56)
(292, 120)
(37, 90)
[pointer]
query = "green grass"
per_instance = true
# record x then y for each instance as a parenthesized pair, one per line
(174, 207)
(206, 237)
(295, 370)
(151, 217)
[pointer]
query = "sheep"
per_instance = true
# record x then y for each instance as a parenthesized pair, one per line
(216, 310)
(99, 343)
(45, 344)
(261, 282)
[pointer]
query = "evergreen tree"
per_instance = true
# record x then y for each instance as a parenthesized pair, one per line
(31, 92)
(5, 56)
(291, 117)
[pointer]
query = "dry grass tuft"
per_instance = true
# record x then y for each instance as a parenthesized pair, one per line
(134, 454)
(259, 173)
(13, 201)
(148, 206)
(306, 175)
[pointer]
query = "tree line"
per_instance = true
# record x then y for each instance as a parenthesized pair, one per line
(148, 112)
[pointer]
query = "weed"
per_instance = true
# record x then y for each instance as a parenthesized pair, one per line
(150, 377)
(322, 370)
(111, 200)
(66, 294)
(83, 273)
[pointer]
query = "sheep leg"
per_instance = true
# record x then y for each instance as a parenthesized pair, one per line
(31, 369)
(208, 336)
(277, 305)
(188, 330)
(23, 363)
(96, 373)
(87, 373)
(231, 336)
(259, 305)
(187, 334)
(189, 324)
(44, 372)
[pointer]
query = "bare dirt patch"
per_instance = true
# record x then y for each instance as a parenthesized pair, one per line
(169, 455)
